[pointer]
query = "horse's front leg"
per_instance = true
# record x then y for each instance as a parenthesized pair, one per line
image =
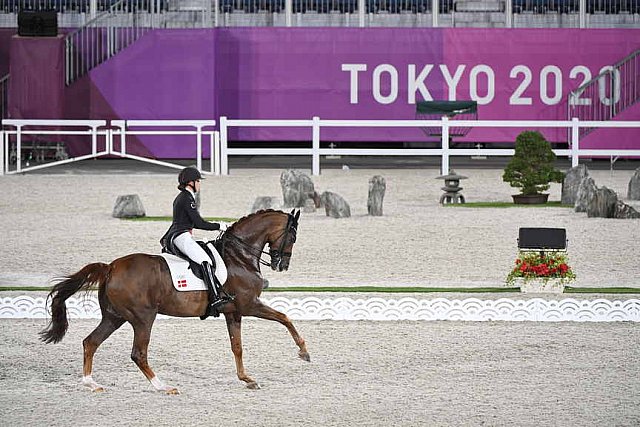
(265, 312)
(234, 326)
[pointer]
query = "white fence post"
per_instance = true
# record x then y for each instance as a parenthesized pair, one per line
(224, 163)
(18, 148)
(315, 157)
(575, 141)
(199, 147)
(445, 145)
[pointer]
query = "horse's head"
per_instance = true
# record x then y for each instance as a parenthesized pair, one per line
(281, 241)
(276, 228)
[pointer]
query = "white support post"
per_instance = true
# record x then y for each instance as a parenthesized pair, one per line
(288, 13)
(123, 139)
(93, 8)
(216, 152)
(508, 14)
(575, 141)
(199, 147)
(315, 141)
(445, 145)
(2, 148)
(18, 148)
(435, 12)
(361, 10)
(94, 141)
(224, 163)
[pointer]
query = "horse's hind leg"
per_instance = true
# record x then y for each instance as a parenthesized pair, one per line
(265, 312)
(107, 326)
(234, 326)
(141, 335)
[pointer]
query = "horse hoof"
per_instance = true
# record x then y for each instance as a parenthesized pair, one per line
(304, 356)
(99, 389)
(171, 390)
(253, 386)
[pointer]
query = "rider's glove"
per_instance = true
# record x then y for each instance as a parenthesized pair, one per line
(223, 226)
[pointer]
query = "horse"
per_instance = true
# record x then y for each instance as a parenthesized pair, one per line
(137, 287)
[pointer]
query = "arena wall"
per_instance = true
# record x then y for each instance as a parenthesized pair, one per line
(346, 73)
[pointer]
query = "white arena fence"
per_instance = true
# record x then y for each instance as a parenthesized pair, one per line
(106, 139)
(380, 309)
(113, 139)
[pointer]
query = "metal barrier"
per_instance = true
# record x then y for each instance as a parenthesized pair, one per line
(102, 137)
(108, 33)
(612, 91)
(445, 151)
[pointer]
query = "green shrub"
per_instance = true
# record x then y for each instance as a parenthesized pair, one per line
(531, 167)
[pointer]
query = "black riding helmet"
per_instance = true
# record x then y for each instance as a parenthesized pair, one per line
(189, 174)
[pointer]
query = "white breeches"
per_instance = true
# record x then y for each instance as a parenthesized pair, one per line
(190, 248)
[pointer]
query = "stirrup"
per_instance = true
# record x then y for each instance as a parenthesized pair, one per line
(214, 307)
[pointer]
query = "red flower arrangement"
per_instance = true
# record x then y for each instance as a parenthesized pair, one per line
(545, 266)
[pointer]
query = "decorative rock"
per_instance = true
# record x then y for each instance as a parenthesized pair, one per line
(296, 188)
(335, 206)
(586, 191)
(309, 206)
(624, 211)
(263, 202)
(603, 204)
(128, 206)
(377, 187)
(633, 193)
(571, 184)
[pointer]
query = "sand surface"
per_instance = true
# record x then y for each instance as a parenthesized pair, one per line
(361, 373)
(55, 224)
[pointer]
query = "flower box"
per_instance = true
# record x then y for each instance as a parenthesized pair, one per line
(540, 286)
(541, 272)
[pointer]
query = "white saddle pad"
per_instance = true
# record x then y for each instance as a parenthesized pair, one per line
(183, 278)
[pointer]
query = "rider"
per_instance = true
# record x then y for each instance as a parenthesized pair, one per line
(185, 218)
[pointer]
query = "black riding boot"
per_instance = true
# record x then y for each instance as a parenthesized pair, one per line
(216, 300)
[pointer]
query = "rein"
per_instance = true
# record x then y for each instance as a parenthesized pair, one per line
(291, 227)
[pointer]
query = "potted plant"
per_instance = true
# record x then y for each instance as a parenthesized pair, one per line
(531, 168)
(541, 272)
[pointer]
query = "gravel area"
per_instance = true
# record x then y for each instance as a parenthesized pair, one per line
(361, 373)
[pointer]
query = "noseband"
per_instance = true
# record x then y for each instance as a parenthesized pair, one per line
(275, 254)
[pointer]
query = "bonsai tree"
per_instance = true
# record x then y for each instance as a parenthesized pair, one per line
(531, 167)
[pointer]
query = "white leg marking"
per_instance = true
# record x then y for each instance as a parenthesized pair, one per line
(89, 382)
(160, 386)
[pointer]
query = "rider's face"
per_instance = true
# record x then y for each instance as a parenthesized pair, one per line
(196, 185)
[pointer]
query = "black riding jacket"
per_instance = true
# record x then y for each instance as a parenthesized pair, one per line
(186, 217)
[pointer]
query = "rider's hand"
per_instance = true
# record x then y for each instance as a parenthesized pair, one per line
(223, 226)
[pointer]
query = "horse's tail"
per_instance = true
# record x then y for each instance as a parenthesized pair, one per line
(96, 273)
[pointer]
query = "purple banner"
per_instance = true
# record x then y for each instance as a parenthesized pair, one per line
(354, 73)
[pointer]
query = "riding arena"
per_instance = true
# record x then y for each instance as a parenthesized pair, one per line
(398, 314)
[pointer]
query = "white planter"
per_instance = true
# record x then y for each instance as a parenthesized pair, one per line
(539, 286)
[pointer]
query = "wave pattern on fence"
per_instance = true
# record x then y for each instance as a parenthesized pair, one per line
(380, 309)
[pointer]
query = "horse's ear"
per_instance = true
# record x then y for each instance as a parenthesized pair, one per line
(297, 215)
(293, 211)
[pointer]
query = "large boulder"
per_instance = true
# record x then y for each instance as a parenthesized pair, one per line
(571, 184)
(296, 188)
(624, 211)
(586, 192)
(603, 204)
(264, 202)
(633, 193)
(128, 206)
(335, 206)
(377, 187)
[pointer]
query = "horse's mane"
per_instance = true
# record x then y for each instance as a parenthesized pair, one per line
(251, 215)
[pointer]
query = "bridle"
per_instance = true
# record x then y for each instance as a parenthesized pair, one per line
(276, 255)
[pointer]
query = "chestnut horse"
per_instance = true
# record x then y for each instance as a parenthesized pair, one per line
(136, 287)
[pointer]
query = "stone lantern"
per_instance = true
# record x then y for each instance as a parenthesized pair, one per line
(451, 188)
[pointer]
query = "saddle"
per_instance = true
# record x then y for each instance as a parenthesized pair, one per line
(196, 269)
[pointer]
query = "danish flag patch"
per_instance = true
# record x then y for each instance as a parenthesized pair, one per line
(182, 283)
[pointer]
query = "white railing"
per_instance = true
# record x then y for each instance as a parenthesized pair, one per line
(220, 150)
(11, 140)
(316, 124)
